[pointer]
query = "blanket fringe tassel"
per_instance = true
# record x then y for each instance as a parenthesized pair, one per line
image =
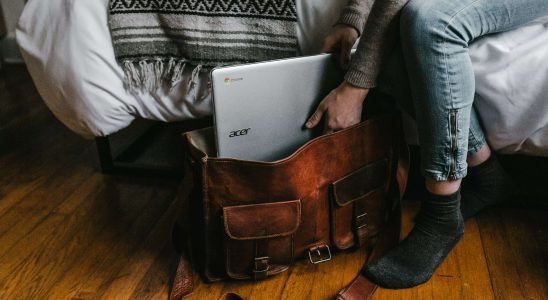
(151, 75)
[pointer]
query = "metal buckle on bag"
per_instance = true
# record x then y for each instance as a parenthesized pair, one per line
(361, 221)
(260, 270)
(261, 261)
(319, 254)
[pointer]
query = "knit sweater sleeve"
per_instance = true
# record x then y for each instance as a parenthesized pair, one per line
(355, 13)
(377, 41)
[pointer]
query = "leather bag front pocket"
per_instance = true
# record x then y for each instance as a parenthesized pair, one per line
(259, 238)
(357, 205)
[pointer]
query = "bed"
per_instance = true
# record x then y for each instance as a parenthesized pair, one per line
(67, 48)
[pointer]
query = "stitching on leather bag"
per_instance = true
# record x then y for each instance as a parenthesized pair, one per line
(283, 234)
(334, 184)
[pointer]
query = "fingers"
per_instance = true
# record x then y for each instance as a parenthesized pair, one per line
(346, 49)
(331, 125)
(328, 44)
(328, 128)
(316, 117)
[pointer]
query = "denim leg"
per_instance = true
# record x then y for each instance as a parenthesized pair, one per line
(476, 138)
(435, 39)
(394, 81)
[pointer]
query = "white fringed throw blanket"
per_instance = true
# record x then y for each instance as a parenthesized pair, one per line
(154, 40)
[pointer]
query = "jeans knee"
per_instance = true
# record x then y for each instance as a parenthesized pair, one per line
(420, 23)
(426, 22)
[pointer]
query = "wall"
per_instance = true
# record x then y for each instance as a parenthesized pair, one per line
(11, 10)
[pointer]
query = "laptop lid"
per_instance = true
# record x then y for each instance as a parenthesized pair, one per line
(260, 109)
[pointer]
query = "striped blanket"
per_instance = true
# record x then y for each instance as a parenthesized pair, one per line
(154, 40)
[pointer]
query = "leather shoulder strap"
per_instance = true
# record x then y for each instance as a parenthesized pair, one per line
(183, 281)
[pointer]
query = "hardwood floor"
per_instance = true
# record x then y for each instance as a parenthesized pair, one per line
(69, 232)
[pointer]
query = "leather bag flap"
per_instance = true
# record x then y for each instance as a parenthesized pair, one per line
(360, 183)
(262, 221)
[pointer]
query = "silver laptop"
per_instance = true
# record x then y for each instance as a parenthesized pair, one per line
(260, 109)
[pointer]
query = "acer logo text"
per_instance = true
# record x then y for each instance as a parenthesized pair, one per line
(239, 132)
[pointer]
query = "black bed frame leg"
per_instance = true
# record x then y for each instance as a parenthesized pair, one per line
(105, 155)
(118, 153)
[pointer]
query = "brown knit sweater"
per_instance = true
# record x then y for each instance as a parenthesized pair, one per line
(376, 21)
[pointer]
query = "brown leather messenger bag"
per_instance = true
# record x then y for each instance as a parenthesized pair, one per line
(250, 220)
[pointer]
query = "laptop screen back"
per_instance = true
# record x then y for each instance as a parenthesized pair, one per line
(260, 109)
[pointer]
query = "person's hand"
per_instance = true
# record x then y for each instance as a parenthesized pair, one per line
(342, 37)
(342, 108)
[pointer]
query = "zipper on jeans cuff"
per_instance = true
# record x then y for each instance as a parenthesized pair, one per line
(453, 134)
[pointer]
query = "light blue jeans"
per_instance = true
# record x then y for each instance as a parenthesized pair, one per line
(435, 35)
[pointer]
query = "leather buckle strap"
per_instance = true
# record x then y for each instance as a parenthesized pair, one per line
(361, 222)
(319, 254)
(260, 264)
(260, 270)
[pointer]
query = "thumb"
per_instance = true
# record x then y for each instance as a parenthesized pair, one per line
(328, 44)
(316, 117)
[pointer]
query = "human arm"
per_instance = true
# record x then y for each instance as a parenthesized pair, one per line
(342, 107)
(355, 14)
(377, 41)
(347, 29)
(378, 38)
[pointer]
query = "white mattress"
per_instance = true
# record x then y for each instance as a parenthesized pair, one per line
(67, 47)
(512, 88)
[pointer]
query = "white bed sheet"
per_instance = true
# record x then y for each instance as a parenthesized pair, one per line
(67, 47)
(511, 71)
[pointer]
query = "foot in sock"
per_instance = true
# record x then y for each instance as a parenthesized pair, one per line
(438, 228)
(486, 184)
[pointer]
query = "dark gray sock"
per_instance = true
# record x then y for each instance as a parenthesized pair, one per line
(438, 228)
(486, 184)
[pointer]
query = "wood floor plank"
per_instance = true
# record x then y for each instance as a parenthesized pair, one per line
(123, 233)
(503, 270)
(155, 283)
(470, 256)
(30, 230)
(299, 284)
(111, 215)
(143, 258)
(269, 289)
(37, 170)
(35, 207)
(58, 250)
(242, 288)
(206, 291)
(16, 193)
(353, 262)
(524, 247)
(42, 153)
(447, 277)
(329, 278)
